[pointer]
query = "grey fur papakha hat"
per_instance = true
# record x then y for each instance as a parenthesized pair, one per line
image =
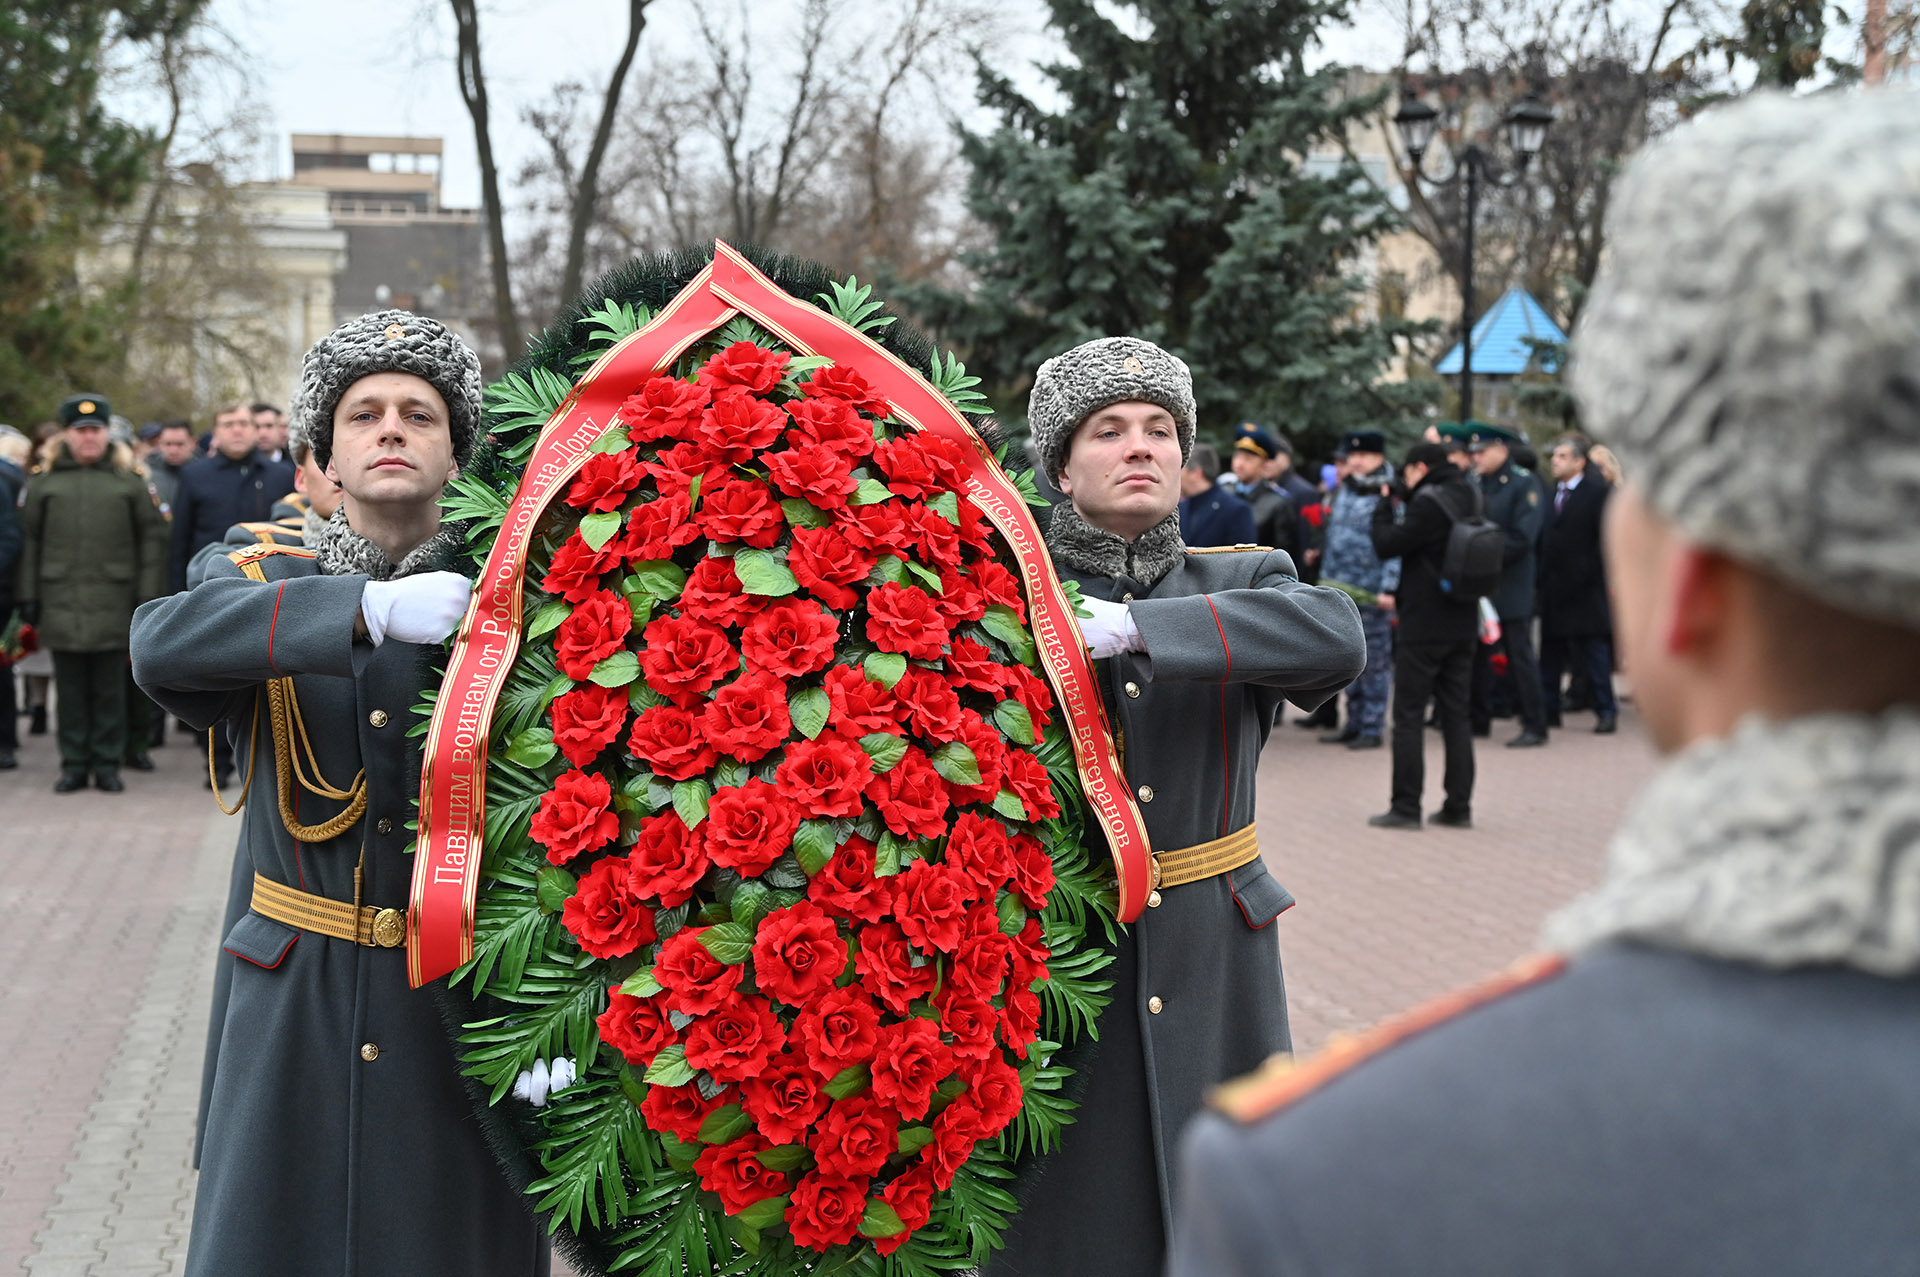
(386, 341)
(1108, 370)
(1752, 348)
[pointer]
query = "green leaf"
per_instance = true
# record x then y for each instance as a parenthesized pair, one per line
(886, 854)
(728, 942)
(849, 1081)
(813, 844)
(553, 886)
(955, 762)
(615, 440)
(641, 605)
(1004, 624)
(953, 383)
(617, 670)
(786, 873)
(693, 493)
(786, 1157)
(751, 902)
(870, 492)
(947, 506)
(886, 668)
(1013, 914)
(532, 748)
(690, 799)
(809, 709)
(1008, 804)
(731, 773)
(548, 618)
(884, 749)
(598, 528)
(1012, 718)
(851, 303)
(889, 570)
(642, 697)
(915, 1138)
(640, 984)
(928, 579)
(761, 573)
(804, 514)
(766, 1211)
(662, 578)
(724, 1125)
(670, 1067)
(881, 1220)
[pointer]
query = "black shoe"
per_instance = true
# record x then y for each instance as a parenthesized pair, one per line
(137, 762)
(7, 761)
(38, 727)
(1553, 720)
(1318, 722)
(1452, 820)
(70, 782)
(1605, 725)
(1527, 740)
(1364, 742)
(1340, 737)
(109, 782)
(1394, 820)
(1481, 733)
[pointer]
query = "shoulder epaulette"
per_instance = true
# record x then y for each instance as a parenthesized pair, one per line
(296, 501)
(270, 532)
(1243, 548)
(1281, 1080)
(249, 553)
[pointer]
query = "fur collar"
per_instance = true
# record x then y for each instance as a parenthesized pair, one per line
(1090, 551)
(340, 551)
(1787, 844)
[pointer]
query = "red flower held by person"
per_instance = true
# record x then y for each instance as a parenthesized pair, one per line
(798, 954)
(573, 817)
(605, 915)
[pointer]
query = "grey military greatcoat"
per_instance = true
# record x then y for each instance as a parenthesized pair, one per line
(341, 1142)
(1197, 992)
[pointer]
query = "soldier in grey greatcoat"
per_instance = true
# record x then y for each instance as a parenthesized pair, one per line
(1195, 652)
(340, 1138)
(1349, 563)
(1714, 1071)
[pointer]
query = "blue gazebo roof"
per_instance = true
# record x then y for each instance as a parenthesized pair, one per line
(1499, 339)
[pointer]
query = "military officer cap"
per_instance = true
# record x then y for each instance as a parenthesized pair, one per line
(1074, 385)
(1455, 434)
(1484, 435)
(386, 341)
(1251, 438)
(1364, 441)
(92, 408)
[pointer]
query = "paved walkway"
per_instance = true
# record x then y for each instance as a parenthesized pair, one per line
(113, 902)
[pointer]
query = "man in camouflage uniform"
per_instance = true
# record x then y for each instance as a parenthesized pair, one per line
(1348, 563)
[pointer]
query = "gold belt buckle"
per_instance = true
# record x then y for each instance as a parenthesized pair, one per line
(389, 928)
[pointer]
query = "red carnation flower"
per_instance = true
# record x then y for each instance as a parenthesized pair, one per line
(911, 798)
(845, 885)
(749, 827)
(672, 742)
(596, 630)
(798, 953)
(713, 594)
(911, 1062)
(828, 562)
(657, 528)
(573, 816)
(1020, 1020)
(887, 970)
(664, 407)
(838, 1030)
(994, 1087)
(970, 1020)
(911, 1196)
(1027, 777)
(683, 658)
(930, 901)
(931, 704)
(737, 1174)
(735, 1040)
(740, 510)
(747, 366)
(792, 638)
(667, 860)
(815, 473)
(824, 777)
(903, 619)
(785, 1100)
(577, 568)
(605, 915)
(858, 706)
(831, 423)
(696, 982)
(856, 1137)
(604, 481)
(637, 1028)
(826, 1210)
(679, 1110)
(842, 382)
(1032, 872)
(980, 850)
(587, 720)
(748, 717)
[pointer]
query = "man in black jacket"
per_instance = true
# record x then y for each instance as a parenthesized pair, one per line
(1513, 501)
(1576, 621)
(1433, 647)
(236, 484)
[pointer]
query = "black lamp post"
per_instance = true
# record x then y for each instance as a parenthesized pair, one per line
(1526, 132)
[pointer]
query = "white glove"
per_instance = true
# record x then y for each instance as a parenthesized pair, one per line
(534, 1085)
(1110, 629)
(415, 609)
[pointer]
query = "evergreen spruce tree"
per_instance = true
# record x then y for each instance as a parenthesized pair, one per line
(1167, 197)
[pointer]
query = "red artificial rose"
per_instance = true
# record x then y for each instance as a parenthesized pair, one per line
(1032, 872)
(994, 1087)
(838, 1030)
(937, 540)
(657, 528)
(903, 619)
(664, 408)
(587, 720)
(1020, 1020)
(682, 659)
(573, 816)
(738, 425)
(911, 797)
(856, 1137)
(911, 1062)
(970, 664)
(911, 1196)
(931, 704)
(792, 638)
(930, 901)
(666, 860)
(882, 527)
(911, 471)
(828, 562)
(740, 510)
(596, 630)
(785, 1100)
(679, 1110)
(577, 568)
(1029, 955)
(842, 382)
(846, 886)
(1027, 777)
(749, 827)
(979, 849)
(955, 1132)
(605, 915)
(831, 423)
(1000, 586)
(675, 469)
(713, 594)
(747, 366)
(696, 982)
(815, 473)
(824, 777)
(886, 965)
(971, 1021)
(637, 1028)
(989, 756)
(604, 481)
(748, 717)
(975, 529)
(798, 953)
(735, 1040)
(961, 599)
(1031, 691)
(826, 1210)
(737, 1174)
(671, 741)
(980, 966)
(858, 706)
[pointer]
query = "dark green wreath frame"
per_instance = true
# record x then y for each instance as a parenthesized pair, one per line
(613, 1199)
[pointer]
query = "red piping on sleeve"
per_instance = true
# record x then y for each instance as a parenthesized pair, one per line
(278, 595)
(1226, 760)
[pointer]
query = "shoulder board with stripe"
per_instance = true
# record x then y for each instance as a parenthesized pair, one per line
(251, 553)
(270, 531)
(1245, 548)
(1282, 1080)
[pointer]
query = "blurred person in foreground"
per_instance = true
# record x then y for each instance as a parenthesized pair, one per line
(1713, 1072)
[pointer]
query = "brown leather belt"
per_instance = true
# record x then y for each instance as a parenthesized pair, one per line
(362, 924)
(1191, 864)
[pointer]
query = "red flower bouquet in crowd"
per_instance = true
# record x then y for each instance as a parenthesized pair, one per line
(777, 759)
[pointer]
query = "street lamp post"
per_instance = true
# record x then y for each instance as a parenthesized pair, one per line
(1526, 132)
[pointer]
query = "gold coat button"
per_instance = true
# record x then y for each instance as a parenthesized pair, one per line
(1154, 1005)
(383, 826)
(1133, 690)
(1146, 793)
(1153, 900)
(378, 718)
(371, 1052)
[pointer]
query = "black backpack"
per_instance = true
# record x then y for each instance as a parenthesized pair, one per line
(1470, 566)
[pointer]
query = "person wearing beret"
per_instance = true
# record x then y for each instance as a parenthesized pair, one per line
(1194, 651)
(339, 1137)
(1514, 502)
(1711, 1067)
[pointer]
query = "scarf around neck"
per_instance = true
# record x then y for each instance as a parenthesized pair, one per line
(1787, 844)
(1091, 551)
(340, 551)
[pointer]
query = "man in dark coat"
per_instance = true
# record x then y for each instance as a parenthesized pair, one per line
(340, 1138)
(1194, 652)
(1433, 646)
(1276, 520)
(235, 484)
(1210, 514)
(1576, 620)
(1714, 1072)
(1513, 501)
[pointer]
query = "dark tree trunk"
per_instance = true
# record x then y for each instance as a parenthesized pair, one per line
(473, 91)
